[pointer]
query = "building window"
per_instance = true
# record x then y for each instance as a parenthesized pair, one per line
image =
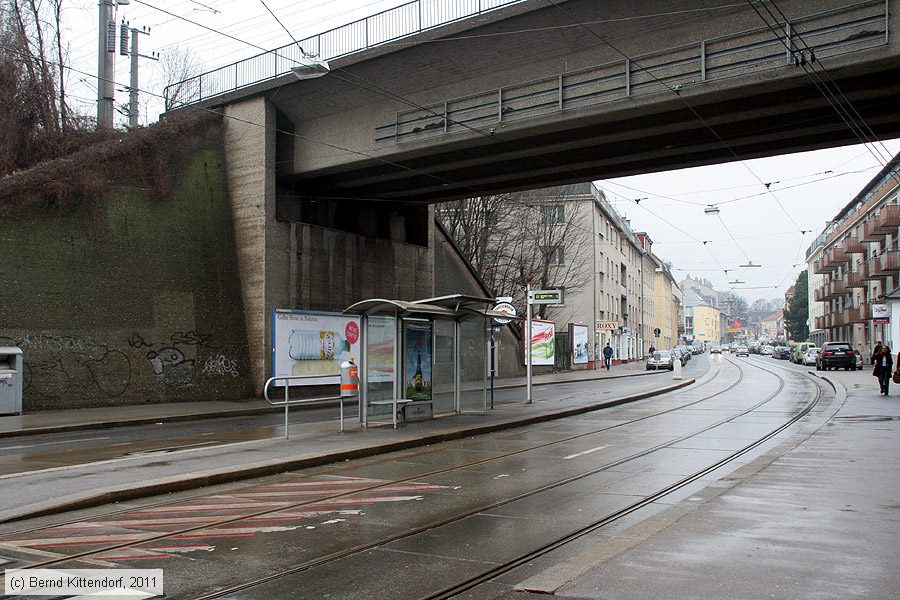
(555, 255)
(553, 214)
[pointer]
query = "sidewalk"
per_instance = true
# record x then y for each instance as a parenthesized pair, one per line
(311, 444)
(55, 421)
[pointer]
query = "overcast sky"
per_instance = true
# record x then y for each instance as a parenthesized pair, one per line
(756, 223)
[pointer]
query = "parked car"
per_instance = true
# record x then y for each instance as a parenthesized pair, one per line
(800, 350)
(810, 356)
(836, 355)
(685, 353)
(661, 359)
(766, 350)
(780, 352)
(742, 351)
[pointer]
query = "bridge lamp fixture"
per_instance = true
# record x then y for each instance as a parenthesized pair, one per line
(712, 209)
(309, 67)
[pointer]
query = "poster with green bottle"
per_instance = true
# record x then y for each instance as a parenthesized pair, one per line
(417, 359)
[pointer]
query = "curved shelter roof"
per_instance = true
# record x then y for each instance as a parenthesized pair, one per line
(454, 306)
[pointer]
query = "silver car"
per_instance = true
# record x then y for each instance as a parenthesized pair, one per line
(661, 359)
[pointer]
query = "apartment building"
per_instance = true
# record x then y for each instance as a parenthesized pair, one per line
(625, 292)
(856, 261)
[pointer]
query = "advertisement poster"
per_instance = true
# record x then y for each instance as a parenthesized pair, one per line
(881, 314)
(380, 341)
(417, 353)
(308, 343)
(543, 342)
(580, 344)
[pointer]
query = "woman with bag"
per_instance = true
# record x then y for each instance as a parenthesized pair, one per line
(884, 368)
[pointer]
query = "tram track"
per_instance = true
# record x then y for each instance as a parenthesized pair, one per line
(336, 556)
(417, 451)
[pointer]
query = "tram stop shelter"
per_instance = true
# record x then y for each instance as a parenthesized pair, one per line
(423, 358)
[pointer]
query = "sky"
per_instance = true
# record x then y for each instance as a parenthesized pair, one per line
(756, 224)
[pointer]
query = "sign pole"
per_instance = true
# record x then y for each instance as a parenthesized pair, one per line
(528, 342)
(492, 366)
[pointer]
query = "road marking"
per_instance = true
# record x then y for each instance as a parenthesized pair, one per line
(22, 447)
(585, 452)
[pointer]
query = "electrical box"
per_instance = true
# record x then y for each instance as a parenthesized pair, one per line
(11, 370)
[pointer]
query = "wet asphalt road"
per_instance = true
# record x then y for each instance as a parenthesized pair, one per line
(53, 450)
(517, 489)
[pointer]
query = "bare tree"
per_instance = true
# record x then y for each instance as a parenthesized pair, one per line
(513, 239)
(35, 118)
(179, 65)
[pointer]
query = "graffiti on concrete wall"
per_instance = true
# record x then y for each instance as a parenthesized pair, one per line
(56, 365)
(220, 364)
(175, 362)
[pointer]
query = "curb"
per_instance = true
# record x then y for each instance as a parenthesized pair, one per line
(246, 412)
(194, 481)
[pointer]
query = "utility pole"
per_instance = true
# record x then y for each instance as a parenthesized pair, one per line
(133, 107)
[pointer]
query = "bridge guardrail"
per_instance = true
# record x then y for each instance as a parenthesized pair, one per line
(389, 25)
(831, 33)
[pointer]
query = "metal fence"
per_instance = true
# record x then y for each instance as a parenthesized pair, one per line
(399, 22)
(831, 33)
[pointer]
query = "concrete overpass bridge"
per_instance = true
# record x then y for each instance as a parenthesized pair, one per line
(332, 180)
(541, 93)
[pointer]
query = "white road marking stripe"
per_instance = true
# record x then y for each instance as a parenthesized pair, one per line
(90, 439)
(585, 452)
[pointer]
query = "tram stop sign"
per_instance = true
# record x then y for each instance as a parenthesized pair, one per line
(504, 307)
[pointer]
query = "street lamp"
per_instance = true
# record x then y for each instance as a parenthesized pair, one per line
(310, 67)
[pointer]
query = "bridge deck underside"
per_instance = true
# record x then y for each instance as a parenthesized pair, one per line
(676, 132)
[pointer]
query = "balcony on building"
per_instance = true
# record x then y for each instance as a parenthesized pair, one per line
(834, 289)
(886, 221)
(858, 314)
(859, 277)
(853, 245)
(889, 262)
(841, 318)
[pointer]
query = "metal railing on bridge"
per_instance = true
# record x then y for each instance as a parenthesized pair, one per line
(831, 33)
(387, 26)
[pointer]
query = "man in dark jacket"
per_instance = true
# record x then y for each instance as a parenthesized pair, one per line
(607, 355)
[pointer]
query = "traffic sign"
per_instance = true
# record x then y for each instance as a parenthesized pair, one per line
(546, 297)
(504, 307)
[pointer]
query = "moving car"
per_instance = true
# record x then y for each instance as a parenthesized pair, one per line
(715, 349)
(836, 355)
(809, 357)
(742, 351)
(661, 359)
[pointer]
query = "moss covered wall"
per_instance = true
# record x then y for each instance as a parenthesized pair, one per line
(128, 297)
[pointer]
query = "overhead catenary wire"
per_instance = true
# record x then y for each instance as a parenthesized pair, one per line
(821, 86)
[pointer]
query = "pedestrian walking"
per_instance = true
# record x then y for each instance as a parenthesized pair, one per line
(651, 350)
(607, 355)
(884, 368)
(876, 351)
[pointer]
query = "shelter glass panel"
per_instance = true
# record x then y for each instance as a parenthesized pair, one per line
(444, 377)
(473, 372)
(381, 353)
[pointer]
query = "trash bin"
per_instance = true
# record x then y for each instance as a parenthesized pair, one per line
(349, 379)
(11, 367)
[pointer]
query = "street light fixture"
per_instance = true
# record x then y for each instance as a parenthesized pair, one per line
(309, 67)
(749, 265)
(712, 209)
